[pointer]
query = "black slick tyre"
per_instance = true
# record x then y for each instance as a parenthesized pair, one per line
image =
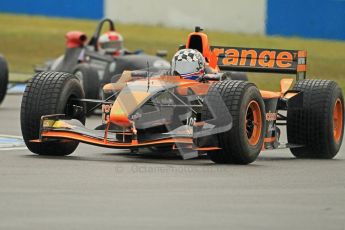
(49, 93)
(243, 142)
(3, 78)
(317, 126)
(88, 77)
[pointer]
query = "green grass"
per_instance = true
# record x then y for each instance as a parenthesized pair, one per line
(27, 41)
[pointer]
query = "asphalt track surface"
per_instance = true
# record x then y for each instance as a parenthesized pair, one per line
(98, 188)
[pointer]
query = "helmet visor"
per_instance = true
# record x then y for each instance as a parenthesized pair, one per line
(112, 45)
(185, 67)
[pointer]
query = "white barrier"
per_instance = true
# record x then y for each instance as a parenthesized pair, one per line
(244, 16)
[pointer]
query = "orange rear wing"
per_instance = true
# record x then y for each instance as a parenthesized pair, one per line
(261, 60)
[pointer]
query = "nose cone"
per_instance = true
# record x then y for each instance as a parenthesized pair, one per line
(126, 103)
(135, 94)
(119, 116)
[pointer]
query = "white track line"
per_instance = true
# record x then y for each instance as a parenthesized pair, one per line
(13, 148)
(11, 136)
(7, 147)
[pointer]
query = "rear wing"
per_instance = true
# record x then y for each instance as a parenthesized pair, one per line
(261, 60)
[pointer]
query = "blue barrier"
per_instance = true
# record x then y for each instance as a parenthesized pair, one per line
(87, 9)
(302, 18)
(307, 18)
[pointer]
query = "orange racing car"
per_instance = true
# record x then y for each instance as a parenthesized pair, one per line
(229, 120)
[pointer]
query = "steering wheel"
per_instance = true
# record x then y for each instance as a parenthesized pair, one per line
(97, 33)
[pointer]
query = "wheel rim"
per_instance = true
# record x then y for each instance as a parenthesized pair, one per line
(253, 122)
(337, 120)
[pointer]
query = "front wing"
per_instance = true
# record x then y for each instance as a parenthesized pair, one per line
(53, 127)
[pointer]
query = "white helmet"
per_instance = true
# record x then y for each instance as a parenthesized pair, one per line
(189, 64)
(111, 42)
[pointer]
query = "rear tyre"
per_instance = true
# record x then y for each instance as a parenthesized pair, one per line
(243, 142)
(49, 93)
(3, 78)
(319, 124)
(89, 80)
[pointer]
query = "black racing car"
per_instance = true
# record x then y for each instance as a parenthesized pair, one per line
(3, 77)
(95, 68)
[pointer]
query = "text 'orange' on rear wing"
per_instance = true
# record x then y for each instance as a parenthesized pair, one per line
(262, 60)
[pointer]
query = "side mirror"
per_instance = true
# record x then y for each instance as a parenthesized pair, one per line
(162, 53)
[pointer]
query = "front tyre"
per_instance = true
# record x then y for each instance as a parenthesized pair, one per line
(49, 93)
(243, 142)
